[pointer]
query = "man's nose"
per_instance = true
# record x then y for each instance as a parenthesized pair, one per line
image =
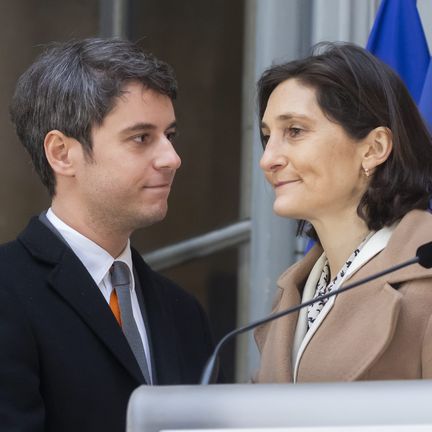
(167, 156)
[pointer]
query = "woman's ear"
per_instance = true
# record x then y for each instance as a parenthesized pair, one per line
(58, 152)
(379, 145)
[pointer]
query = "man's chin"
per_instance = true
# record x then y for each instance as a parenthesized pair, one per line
(150, 218)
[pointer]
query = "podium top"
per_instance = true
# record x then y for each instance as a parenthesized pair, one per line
(357, 406)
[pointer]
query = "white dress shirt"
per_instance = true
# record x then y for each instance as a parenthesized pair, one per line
(98, 262)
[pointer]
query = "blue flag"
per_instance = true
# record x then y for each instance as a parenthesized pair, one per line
(397, 38)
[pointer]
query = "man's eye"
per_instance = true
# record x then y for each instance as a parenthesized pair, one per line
(172, 136)
(264, 140)
(141, 138)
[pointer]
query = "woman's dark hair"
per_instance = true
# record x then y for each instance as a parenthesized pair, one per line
(359, 92)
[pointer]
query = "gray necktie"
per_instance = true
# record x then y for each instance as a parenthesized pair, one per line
(120, 279)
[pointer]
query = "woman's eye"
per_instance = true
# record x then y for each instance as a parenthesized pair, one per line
(294, 131)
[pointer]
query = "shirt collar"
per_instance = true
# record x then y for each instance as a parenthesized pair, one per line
(96, 260)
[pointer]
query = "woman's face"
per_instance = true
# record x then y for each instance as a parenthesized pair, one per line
(314, 167)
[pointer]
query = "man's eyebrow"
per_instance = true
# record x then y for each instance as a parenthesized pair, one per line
(172, 125)
(138, 127)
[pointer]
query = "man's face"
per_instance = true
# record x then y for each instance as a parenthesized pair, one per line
(126, 183)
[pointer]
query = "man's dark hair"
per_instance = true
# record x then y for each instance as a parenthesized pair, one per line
(359, 92)
(72, 87)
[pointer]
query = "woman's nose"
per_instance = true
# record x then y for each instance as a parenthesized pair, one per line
(272, 158)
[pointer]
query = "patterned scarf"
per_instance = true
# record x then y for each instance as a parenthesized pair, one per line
(324, 285)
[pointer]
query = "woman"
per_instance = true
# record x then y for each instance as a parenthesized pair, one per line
(349, 156)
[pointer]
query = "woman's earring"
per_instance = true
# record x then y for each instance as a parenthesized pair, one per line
(366, 171)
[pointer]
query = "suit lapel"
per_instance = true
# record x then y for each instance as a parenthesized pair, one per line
(69, 279)
(165, 358)
(143, 309)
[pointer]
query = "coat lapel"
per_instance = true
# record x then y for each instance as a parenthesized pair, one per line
(363, 320)
(275, 339)
(352, 336)
(69, 279)
(361, 324)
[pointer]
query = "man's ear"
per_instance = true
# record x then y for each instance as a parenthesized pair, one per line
(58, 150)
(379, 145)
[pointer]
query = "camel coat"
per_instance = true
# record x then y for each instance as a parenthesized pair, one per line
(379, 331)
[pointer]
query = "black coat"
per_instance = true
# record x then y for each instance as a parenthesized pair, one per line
(64, 362)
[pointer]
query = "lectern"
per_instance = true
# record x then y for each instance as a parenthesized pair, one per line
(376, 406)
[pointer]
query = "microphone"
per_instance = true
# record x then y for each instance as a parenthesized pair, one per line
(423, 257)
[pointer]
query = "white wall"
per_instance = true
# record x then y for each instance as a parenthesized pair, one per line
(425, 9)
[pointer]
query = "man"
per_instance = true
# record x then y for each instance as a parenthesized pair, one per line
(97, 118)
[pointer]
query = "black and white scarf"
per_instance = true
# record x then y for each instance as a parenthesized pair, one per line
(325, 286)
